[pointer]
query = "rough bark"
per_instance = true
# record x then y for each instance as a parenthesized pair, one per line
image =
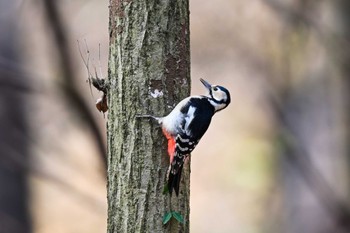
(149, 72)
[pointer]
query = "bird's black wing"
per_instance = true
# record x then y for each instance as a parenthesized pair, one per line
(198, 113)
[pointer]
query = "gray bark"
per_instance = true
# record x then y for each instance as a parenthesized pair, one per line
(149, 72)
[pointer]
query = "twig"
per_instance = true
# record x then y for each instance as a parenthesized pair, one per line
(73, 97)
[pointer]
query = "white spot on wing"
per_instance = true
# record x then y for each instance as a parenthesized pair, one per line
(189, 117)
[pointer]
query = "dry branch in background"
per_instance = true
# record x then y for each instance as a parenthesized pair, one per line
(73, 97)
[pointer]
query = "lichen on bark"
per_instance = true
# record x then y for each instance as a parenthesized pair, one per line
(149, 53)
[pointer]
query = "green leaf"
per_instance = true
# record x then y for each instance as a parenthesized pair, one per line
(167, 217)
(178, 217)
(166, 189)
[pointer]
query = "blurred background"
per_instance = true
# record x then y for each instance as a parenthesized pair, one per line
(276, 160)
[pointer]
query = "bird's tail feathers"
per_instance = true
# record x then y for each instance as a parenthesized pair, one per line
(174, 178)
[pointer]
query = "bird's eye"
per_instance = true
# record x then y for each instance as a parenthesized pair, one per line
(215, 88)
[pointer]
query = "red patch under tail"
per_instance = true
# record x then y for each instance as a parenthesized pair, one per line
(171, 145)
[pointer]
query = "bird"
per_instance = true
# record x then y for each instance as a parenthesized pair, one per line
(186, 124)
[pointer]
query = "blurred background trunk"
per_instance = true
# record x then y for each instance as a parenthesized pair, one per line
(341, 53)
(14, 128)
(310, 112)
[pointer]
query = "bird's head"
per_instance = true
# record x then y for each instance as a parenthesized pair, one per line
(218, 96)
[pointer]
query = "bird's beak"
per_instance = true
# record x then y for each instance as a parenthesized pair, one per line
(206, 84)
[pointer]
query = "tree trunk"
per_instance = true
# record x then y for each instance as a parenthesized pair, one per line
(149, 73)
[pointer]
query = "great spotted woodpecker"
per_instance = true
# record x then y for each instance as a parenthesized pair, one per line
(186, 124)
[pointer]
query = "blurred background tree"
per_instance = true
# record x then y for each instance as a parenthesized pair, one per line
(14, 128)
(277, 160)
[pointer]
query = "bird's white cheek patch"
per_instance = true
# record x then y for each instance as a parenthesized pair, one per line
(219, 96)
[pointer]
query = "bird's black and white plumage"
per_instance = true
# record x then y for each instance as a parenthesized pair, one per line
(186, 124)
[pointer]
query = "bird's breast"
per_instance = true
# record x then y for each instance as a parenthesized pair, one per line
(172, 122)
